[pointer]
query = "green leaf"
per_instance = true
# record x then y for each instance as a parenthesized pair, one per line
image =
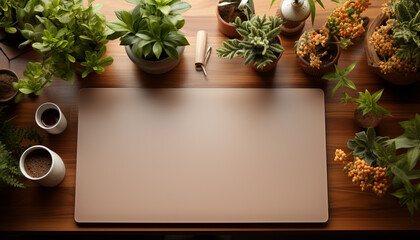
(412, 156)
(26, 90)
(350, 68)
(312, 8)
(400, 174)
(320, 3)
(171, 51)
(165, 10)
(106, 61)
(157, 49)
(118, 26)
(10, 30)
(71, 58)
(127, 18)
(179, 7)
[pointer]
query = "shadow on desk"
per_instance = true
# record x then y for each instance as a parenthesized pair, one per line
(208, 236)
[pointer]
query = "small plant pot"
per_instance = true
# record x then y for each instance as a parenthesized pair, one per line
(397, 78)
(271, 66)
(155, 67)
(12, 39)
(42, 165)
(298, 14)
(367, 120)
(228, 29)
(7, 77)
(325, 67)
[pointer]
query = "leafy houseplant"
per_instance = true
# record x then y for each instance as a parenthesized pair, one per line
(378, 166)
(393, 45)
(317, 51)
(368, 113)
(12, 145)
(151, 32)
(260, 46)
(65, 33)
(8, 18)
(228, 10)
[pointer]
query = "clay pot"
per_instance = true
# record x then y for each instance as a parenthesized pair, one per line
(155, 67)
(296, 14)
(397, 78)
(367, 120)
(324, 68)
(270, 66)
(7, 92)
(226, 28)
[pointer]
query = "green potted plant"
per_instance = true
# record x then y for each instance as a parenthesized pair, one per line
(151, 33)
(13, 140)
(368, 113)
(380, 164)
(8, 15)
(392, 42)
(319, 49)
(260, 45)
(228, 10)
(70, 38)
(11, 20)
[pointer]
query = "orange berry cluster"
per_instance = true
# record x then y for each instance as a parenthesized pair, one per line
(367, 177)
(344, 26)
(383, 42)
(396, 64)
(387, 8)
(311, 45)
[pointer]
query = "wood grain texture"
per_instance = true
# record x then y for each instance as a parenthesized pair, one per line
(51, 209)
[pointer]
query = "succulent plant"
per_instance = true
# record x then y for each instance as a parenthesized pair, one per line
(363, 145)
(407, 30)
(259, 44)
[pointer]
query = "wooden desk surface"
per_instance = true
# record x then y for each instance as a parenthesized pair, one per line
(51, 209)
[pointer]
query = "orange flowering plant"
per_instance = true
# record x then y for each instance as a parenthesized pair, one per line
(380, 163)
(396, 41)
(344, 23)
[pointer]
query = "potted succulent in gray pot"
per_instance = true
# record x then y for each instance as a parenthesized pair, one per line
(151, 35)
(260, 45)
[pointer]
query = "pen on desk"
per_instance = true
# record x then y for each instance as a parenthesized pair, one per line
(202, 53)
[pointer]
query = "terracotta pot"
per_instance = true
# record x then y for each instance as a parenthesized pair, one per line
(298, 14)
(226, 28)
(397, 78)
(7, 92)
(324, 68)
(270, 66)
(155, 67)
(367, 120)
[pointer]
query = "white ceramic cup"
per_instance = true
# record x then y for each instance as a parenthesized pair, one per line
(59, 126)
(56, 173)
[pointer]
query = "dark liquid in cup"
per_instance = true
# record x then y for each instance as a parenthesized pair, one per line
(50, 117)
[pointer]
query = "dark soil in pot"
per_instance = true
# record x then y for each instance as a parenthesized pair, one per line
(367, 120)
(38, 163)
(6, 90)
(229, 13)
